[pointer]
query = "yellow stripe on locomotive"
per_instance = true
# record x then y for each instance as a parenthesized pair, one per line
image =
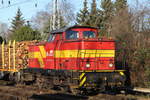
(84, 53)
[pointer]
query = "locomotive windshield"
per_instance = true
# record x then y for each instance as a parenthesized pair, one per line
(51, 37)
(72, 35)
(88, 34)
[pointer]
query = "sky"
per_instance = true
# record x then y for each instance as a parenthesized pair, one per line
(8, 11)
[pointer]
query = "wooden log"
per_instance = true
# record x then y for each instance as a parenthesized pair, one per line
(21, 54)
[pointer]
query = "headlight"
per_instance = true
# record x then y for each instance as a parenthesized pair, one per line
(87, 65)
(110, 65)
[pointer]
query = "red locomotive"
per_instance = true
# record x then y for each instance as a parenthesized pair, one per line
(75, 48)
(73, 58)
(76, 56)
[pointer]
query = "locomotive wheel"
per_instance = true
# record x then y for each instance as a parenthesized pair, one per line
(1, 75)
(43, 82)
(74, 90)
(65, 89)
(11, 77)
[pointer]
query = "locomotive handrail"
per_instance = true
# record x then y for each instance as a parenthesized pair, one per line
(102, 70)
(94, 53)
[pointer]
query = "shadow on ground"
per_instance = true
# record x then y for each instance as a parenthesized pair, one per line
(58, 96)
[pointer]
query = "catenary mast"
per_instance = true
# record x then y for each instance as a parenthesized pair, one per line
(55, 19)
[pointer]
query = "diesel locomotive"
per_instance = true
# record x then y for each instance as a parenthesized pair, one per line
(73, 59)
(76, 57)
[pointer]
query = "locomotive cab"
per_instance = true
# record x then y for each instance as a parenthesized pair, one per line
(86, 50)
(74, 34)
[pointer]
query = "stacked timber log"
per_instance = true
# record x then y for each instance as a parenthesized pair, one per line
(17, 55)
(22, 53)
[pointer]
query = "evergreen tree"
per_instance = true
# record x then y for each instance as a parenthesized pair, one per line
(94, 7)
(94, 14)
(26, 33)
(120, 4)
(107, 6)
(47, 26)
(83, 15)
(62, 22)
(22, 32)
(18, 21)
(107, 13)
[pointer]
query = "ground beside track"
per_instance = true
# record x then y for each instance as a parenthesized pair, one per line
(33, 93)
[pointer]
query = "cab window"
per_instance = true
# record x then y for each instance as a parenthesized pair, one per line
(88, 34)
(72, 35)
(51, 37)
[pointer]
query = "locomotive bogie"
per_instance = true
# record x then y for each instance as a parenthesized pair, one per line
(74, 80)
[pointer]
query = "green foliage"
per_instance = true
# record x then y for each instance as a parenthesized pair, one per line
(83, 15)
(26, 33)
(101, 18)
(147, 67)
(93, 8)
(22, 32)
(63, 23)
(133, 47)
(107, 13)
(18, 21)
(96, 17)
(47, 27)
(1, 40)
(107, 6)
(120, 4)
(94, 14)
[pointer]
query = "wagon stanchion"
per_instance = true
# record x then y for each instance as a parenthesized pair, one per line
(14, 55)
(9, 63)
(3, 61)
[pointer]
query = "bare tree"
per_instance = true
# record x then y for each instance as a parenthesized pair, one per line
(132, 30)
(3, 30)
(44, 17)
(44, 20)
(40, 20)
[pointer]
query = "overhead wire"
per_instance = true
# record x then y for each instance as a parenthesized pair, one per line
(15, 4)
(36, 4)
(2, 2)
(9, 2)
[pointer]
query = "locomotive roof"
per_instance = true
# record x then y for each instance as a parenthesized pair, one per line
(67, 28)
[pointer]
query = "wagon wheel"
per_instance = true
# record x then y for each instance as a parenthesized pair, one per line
(18, 77)
(39, 82)
(47, 82)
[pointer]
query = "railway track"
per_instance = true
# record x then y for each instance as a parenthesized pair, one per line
(142, 90)
(21, 92)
